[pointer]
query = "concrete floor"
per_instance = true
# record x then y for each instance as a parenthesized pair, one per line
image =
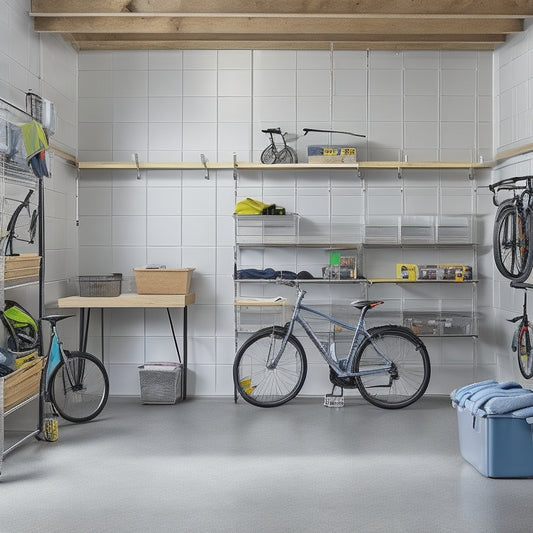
(209, 465)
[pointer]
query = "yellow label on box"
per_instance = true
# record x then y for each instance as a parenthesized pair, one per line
(348, 151)
(406, 271)
(330, 151)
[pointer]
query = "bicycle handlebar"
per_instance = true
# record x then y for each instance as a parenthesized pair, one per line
(508, 181)
(307, 130)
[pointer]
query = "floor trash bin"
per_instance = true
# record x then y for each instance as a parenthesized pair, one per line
(161, 383)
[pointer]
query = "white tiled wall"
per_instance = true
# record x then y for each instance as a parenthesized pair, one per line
(47, 66)
(176, 105)
(513, 105)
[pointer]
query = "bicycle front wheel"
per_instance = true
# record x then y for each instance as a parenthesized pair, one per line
(408, 376)
(525, 357)
(286, 155)
(511, 246)
(79, 387)
(261, 385)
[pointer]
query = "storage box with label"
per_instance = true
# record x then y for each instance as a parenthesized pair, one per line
(163, 280)
(331, 154)
(445, 272)
(495, 428)
(406, 271)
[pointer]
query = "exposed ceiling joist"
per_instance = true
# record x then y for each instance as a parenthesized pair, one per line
(320, 24)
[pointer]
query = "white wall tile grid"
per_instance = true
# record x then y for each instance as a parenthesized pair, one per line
(175, 105)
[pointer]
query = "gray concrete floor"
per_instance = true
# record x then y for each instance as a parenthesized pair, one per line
(209, 465)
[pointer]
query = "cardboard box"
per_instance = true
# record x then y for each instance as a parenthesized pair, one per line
(22, 266)
(331, 154)
(406, 271)
(163, 280)
(23, 383)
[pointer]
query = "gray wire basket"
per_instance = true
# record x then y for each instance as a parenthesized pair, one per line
(100, 285)
(160, 382)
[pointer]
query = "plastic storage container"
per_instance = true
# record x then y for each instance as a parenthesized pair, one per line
(498, 445)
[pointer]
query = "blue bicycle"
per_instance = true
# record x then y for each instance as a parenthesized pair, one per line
(388, 364)
(75, 383)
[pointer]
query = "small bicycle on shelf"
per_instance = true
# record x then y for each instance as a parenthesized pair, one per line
(513, 228)
(388, 364)
(522, 337)
(273, 155)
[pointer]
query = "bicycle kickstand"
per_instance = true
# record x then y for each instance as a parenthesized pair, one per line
(334, 400)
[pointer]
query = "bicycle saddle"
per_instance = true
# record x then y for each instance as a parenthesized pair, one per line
(272, 130)
(361, 304)
(53, 319)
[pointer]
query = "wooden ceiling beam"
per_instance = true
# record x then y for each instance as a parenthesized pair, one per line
(277, 45)
(476, 8)
(267, 25)
(147, 38)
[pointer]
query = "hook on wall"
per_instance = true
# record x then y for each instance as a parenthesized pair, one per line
(137, 165)
(204, 162)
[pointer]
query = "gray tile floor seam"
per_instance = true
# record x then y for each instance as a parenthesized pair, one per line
(209, 465)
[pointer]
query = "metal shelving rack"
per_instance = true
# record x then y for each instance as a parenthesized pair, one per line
(15, 174)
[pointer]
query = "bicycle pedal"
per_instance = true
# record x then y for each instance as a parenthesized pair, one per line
(332, 400)
(50, 429)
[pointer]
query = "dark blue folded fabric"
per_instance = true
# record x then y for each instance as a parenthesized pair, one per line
(254, 273)
(270, 273)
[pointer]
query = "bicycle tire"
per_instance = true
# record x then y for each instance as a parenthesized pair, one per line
(511, 243)
(286, 155)
(409, 376)
(525, 355)
(269, 387)
(269, 155)
(86, 398)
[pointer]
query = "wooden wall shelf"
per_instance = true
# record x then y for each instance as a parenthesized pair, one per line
(242, 165)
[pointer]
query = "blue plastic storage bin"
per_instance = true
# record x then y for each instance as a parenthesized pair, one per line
(498, 445)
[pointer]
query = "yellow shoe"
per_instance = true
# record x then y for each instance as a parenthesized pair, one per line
(50, 429)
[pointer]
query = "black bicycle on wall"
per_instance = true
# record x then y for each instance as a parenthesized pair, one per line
(521, 343)
(513, 227)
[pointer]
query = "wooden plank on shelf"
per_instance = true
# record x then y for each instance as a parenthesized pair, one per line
(512, 152)
(247, 165)
(151, 165)
(128, 300)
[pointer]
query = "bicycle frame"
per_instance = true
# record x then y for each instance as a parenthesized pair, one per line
(360, 334)
(55, 356)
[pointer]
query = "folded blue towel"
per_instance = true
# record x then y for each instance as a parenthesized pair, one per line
(461, 394)
(478, 393)
(507, 404)
(526, 412)
(480, 398)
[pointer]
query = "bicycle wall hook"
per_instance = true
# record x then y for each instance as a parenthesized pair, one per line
(136, 155)
(204, 162)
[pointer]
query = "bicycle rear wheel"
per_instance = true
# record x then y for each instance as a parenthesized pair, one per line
(268, 157)
(269, 387)
(525, 357)
(83, 397)
(407, 379)
(511, 243)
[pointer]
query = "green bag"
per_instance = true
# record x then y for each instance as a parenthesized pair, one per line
(23, 331)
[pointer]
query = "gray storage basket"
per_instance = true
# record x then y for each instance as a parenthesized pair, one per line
(98, 286)
(161, 383)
